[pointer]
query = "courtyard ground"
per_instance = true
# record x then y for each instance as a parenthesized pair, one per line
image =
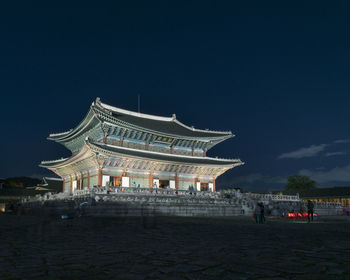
(173, 248)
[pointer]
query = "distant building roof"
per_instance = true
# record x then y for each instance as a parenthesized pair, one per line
(335, 192)
(50, 183)
(326, 192)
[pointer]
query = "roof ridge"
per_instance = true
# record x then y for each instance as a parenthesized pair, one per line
(154, 117)
(202, 130)
(133, 113)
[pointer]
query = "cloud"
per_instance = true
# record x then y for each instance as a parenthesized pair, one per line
(341, 141)
(311, 151)
(335, 154)
(335, 175)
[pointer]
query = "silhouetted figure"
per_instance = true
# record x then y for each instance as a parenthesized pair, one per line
(310, 210)
(257, 213)
(262, 213)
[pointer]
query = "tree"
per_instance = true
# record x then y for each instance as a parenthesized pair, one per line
(298, 183)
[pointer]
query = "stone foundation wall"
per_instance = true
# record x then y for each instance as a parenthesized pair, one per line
(128, 205)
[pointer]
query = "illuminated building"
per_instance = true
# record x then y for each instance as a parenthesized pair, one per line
(117, 147)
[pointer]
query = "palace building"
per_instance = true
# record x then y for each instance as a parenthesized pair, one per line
(117, 147)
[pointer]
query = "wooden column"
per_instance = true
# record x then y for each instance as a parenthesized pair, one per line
(63, 185)
(81, 180)
(71, 184)
(88, 179)
(176, 181)
(214, 189)
(99, 178)
(150, 180)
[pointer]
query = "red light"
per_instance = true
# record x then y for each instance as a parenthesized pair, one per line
(302, 215)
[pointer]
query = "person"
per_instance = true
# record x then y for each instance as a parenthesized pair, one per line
(134, 185)
(310, 210)
(262, 213)
(257, 213)
(155, 185)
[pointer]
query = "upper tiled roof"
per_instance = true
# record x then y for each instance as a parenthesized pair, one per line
(154, 125)
(166, 125)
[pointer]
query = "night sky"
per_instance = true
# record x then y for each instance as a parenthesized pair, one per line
(276, 74)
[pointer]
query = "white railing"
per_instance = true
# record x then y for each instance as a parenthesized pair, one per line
(274, 197)
(147, 191)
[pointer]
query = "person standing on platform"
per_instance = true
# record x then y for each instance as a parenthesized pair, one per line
(257, 213)
(262, 213)
(310, 210)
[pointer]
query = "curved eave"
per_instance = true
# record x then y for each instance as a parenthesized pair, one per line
(122, 151)
(62, 137)
(83, 153)
(111, 109)
(53, 163)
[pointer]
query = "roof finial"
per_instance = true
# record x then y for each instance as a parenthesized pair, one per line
(174, 116)
(98, 100)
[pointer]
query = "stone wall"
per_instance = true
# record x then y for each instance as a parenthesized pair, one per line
(132, 205)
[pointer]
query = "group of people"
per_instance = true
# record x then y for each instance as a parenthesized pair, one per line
(259, 212)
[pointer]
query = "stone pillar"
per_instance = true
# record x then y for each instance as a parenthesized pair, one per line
(150, 180)
(99, 177)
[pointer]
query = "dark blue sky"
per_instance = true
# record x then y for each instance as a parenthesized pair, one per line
(276, 74)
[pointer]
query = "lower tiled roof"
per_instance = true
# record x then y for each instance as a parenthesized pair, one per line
(165, 157)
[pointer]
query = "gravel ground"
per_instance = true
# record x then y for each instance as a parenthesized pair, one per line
(173, 248)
